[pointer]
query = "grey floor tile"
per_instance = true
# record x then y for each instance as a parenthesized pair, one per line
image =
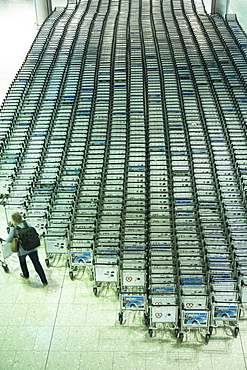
(20, 338)
(204, 362)
(95, 360)
(113, 332)
(226, 362)
(41, 314)
(101, 317)
(161, 361)
(30, 360)
(115, 345)
(9, 296)
(7, 359)
(43, 338)
(59, 338)
(130, 361)
(30, 292)
(13, 314)
(3, 329)
(63, 360)
(71, 315)
(82, 338)
(192, 357)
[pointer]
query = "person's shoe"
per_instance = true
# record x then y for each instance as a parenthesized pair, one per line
(44, 285)
(24, 277)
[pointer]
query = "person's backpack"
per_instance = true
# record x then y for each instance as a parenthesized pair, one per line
(28, 236)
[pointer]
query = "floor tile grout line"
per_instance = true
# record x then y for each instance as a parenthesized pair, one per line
(55, 319)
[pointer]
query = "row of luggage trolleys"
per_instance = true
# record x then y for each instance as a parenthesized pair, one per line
(180, 292)
(152, 278)
(178, 285)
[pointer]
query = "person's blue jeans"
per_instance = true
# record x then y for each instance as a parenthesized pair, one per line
(37, 265)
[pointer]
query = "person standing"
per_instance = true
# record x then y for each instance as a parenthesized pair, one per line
(17, 221)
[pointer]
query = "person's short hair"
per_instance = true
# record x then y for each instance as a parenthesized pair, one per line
(16, 218)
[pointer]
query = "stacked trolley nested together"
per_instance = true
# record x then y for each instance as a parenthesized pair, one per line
(222, 128)
(190, 166)
(69, 144)
(203, 172)
(162, 258)
(89, 134)
(188, 305)
(95, 231)
(237, 133)
(46, 173)
(24, 140)
(109, 93)
(163, 304)
(133, 264)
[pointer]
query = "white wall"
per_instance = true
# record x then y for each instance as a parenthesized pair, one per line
(238, 7)
(17, 32)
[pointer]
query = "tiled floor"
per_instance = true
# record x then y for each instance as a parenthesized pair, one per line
(65, 325)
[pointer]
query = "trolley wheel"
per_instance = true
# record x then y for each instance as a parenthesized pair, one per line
(207, 338)
(236, 331)
(47, 262)
(120, 318)
(150, 332)
(95, 291)
(71, 275)
(181, 337)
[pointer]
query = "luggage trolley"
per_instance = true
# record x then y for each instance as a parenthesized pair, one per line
(133, 291)
(57, 229)
(134, 299)
(81, 236)
(106, 268)
(163, 308)
(56, 243)
(241, 260)
(194, 306)
(5, 180)
(244, 291)
(226, 309)
(4, 254)
(162, 292)
(80, 254)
